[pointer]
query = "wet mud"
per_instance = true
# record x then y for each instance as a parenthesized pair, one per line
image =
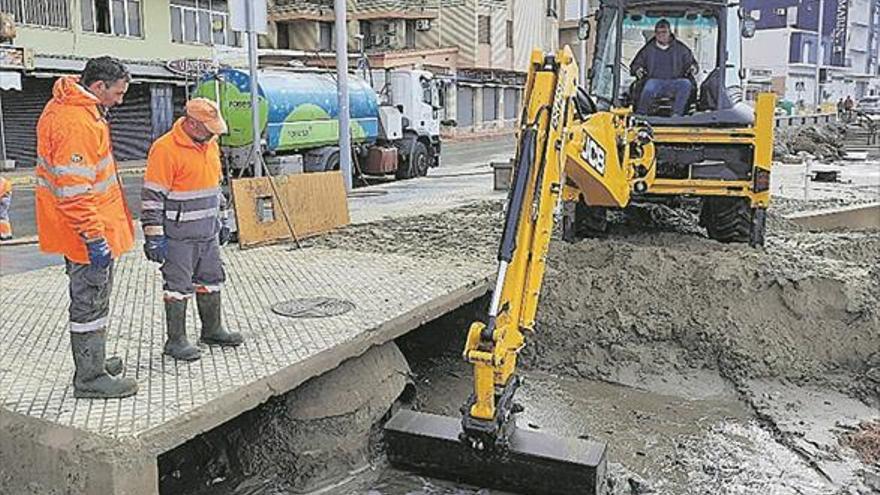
(657, 307)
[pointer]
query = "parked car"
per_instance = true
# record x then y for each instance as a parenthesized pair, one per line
(869, 105)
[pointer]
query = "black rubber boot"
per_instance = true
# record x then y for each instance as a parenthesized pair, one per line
(177, 345)
(91, 381)
(212, 328)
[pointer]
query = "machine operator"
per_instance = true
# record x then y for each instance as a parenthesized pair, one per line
(667, 65)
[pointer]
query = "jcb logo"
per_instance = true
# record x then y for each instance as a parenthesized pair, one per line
(593, 154)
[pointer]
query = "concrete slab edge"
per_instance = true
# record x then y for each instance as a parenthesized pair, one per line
(37, 456)
(19, 241)
(219, 411)
(857, 217)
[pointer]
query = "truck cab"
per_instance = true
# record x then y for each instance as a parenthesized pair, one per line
(418, 95)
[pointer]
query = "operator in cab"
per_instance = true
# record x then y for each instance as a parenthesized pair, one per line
(668, 66)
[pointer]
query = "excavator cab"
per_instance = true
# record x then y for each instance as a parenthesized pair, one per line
(719, 149)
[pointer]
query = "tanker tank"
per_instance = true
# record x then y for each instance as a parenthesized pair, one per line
(298, 109)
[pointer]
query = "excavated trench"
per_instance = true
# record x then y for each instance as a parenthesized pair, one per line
(708, 368)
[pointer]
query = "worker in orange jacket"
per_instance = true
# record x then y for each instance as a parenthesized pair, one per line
(183, 212)
(82, 214)
(5, 203)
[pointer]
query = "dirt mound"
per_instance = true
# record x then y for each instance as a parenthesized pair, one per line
(822, 141)
(656, 295)
(866, 441)
(651, 302)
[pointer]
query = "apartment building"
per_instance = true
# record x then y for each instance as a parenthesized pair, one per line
(153, 37)
(849, 43)
(481, 47)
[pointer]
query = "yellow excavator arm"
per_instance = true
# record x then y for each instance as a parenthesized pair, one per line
(565, 149)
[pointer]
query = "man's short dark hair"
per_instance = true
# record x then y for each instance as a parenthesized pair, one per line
(107, 69)
(662, 23)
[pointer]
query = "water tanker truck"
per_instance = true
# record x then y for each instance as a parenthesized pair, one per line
(398, 134)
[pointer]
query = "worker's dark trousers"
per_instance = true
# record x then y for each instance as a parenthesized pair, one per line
(678, 89)
(192, 265)
(90, 289)
(5, 226)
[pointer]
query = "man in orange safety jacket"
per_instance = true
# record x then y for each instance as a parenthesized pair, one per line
(82, 214)
(185, 222)
(5, 203)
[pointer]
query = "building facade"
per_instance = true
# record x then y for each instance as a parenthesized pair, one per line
(845, 50)
(481, 47)
(56, 37)
(571, 12)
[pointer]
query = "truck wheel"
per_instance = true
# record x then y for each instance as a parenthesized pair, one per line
(332, 162)
(730, 220)
(414, 161)
(581, 220)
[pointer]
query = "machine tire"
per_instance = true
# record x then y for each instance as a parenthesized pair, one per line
(584, 221)
(415, 161)
(728, 219)
(759, 227)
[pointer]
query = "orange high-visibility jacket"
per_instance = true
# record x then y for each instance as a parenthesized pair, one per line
(79, 196)
(5, 186)
(181, 197)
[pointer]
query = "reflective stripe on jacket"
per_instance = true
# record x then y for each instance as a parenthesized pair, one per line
(78, 193)
(181, 197)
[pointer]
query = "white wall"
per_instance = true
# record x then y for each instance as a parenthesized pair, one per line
(769, 49)
(808, 95)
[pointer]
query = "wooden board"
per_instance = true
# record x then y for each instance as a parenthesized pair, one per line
(315, 203)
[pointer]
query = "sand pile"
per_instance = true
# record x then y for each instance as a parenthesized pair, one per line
(656, 295)
(652, 302)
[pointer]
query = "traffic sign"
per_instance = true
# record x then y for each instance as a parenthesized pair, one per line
(238, 15)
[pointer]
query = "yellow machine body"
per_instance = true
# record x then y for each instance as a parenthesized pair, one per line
(592, 155)
(759, 137)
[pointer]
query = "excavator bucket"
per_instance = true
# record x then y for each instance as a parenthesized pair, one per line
(533, 463)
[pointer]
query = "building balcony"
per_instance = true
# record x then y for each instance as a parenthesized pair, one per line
(319, 10)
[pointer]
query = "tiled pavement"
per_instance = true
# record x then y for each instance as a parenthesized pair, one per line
(392, 294)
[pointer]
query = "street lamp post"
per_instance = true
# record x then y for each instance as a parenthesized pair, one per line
(342, 92)
(257, 150)
(582, 48)
(820, 54)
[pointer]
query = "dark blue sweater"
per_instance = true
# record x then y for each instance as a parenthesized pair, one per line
(672, 63)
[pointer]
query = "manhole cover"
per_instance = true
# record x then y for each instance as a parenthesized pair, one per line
(313, 307)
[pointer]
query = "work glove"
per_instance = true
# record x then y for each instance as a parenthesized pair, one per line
(156, 248)
(99, 253)
(224, 235)
(641, 72)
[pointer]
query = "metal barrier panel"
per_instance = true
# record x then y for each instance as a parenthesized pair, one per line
(799, 120)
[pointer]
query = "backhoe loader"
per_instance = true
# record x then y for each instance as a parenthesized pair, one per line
(578, 153)
(719, 152)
